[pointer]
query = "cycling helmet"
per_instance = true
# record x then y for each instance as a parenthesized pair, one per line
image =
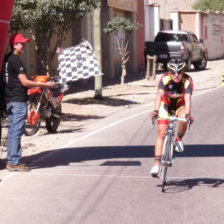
(176, 65)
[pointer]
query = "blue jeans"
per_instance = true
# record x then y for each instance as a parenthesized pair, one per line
(16, 121)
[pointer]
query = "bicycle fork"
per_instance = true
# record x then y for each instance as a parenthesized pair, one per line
(170, 159)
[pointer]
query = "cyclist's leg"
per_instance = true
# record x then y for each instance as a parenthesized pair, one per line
(162, 127)
(182, 127)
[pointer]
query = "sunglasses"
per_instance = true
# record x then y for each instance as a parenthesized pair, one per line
(178, 73)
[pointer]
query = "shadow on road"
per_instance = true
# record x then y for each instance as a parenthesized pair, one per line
(202, 151)
(62, 157)
(105, 101)
(78, 117)
(176, 186)
(128, 156)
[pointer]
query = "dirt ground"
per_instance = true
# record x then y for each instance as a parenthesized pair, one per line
(81, 110)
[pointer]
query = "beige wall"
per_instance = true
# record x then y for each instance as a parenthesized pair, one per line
(111, 58)
(29, 57)
(213, 34)
(167, 5)
(127, 5)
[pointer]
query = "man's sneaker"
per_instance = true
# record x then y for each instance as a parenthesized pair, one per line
(179, 146)
(20, 167)
(155, 170)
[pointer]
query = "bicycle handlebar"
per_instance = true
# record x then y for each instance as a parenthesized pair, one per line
(174, 118)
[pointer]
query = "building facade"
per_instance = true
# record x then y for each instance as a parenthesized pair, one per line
(166, 6)
(111, 64)
(208, 26)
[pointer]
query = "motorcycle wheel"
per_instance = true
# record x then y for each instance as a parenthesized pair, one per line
(53, 122)
(29, 129)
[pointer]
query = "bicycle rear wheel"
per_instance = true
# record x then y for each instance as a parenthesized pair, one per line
(165, 160)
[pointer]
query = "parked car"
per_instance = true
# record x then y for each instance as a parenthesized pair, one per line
(170, 44)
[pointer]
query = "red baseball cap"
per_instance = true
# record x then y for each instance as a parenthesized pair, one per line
(17, 38)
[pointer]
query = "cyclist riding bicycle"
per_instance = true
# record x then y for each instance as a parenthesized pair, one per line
(173, 97)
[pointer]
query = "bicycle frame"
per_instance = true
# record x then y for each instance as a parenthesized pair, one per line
(167, 157)
(169, 137)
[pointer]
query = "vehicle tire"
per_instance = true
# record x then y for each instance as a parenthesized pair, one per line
(165, 159)
(53, 122)
(201, 65)
(29, 129)
(188, 64)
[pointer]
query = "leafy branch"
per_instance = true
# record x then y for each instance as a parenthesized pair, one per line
(48, 19)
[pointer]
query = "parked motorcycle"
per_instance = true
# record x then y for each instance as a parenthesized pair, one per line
(44, 104)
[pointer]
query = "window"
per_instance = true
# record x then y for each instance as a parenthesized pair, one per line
(195, 39)
(165, 37)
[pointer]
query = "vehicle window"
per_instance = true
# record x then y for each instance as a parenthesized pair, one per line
(164, 37)
(161, 37)
(195, 39)
(182, 37)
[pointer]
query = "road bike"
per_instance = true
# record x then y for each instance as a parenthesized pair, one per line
(167, 157)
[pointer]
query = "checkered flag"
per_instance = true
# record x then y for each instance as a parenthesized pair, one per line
(78, 62)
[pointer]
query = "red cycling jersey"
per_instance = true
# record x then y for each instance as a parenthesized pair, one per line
(174, 92)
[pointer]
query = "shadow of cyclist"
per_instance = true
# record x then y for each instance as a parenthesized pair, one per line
(174, 186)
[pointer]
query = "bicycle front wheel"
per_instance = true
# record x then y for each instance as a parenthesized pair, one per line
(165, 159)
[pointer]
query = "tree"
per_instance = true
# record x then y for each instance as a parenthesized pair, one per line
(45, 19)
(124, 24)
(214, 5)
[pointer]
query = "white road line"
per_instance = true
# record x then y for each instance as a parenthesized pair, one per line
(206, 91)
(8, 176)
(89, 175)
(104, 128)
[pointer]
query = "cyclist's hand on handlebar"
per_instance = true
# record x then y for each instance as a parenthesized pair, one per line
(189, 118)
(154, 115)
(50, 84)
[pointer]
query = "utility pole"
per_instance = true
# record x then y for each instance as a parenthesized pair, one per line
(97, 48)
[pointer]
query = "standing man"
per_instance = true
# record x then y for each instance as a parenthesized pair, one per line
(16, 84)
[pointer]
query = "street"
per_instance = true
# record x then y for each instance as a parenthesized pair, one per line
(103, 176)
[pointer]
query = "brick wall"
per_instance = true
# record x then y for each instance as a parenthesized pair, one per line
(187, 22)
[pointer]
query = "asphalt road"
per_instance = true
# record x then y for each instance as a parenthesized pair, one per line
(103, 177)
